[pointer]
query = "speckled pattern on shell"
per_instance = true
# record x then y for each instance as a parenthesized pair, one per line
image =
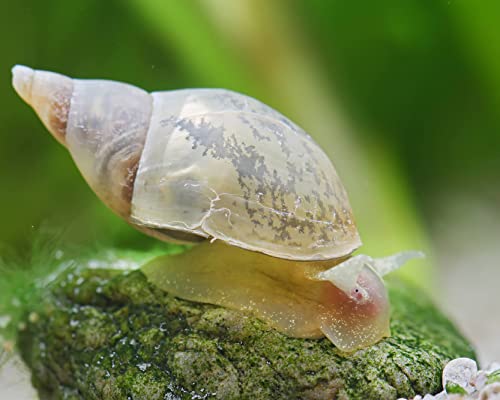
(198, 163)
(226, 166)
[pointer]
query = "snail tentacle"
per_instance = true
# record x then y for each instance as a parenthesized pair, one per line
(388, 264)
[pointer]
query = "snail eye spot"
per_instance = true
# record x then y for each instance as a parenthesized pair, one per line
(357, 295)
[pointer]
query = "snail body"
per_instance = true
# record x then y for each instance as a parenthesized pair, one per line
(289, 295)
(200, 165)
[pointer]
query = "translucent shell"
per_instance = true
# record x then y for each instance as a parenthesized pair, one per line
(222, 165)
(105, 134)
(198, 163)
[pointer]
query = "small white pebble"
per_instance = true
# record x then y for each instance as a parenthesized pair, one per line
(462, 372)
(490, 392)
(480, 381)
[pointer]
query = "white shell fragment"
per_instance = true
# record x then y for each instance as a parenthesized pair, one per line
(490, 392)
(461, 372)
(223, 165)
(462, 381)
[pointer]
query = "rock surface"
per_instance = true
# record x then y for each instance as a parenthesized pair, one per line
(109, 334)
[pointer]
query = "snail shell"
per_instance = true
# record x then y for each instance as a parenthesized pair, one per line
(198, 164)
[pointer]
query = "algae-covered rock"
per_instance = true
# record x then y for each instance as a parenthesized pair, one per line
(109, 334)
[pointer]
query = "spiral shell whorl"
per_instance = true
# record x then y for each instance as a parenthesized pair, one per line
(48, 93)
(107, 127)
(103, 124)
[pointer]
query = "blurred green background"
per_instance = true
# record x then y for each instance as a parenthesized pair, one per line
(402, 95)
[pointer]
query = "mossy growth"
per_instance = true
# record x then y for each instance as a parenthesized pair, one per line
(109, 334)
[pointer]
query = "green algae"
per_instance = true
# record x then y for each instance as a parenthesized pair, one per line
(109, 334)
(455, 388)
(493, 377)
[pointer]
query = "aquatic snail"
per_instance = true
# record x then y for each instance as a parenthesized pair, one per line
(272, 221)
